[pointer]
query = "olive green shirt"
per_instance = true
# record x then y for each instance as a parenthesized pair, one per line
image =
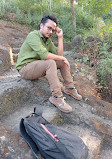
(35, 47)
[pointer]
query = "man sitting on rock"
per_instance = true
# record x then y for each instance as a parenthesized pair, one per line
(39, 57)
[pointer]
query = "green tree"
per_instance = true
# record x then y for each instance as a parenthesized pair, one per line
(97, 7)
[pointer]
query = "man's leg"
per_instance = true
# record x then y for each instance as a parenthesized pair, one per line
(40, 68)
(37, 69)
(68, 80)
(65, 72)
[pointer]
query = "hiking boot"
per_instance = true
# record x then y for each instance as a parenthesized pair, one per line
(60, 103)
(73, 92)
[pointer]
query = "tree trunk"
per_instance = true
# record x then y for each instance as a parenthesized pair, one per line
(41, 8)
(3, 4)
(50, 5)
(73, 15)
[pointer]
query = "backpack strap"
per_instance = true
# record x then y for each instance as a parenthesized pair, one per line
(38, 111)
(28, 139)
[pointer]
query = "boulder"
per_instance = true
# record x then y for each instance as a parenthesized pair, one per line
(13, 92)
(77, 41)
(67, 46)
(5, 62)
(90, 39)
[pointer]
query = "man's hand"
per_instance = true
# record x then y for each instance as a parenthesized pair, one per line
(58, 58)
(66, 62)
(59, 32)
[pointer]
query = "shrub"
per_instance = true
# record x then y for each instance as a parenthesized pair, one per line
(104, 70)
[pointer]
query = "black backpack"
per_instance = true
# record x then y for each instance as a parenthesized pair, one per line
(51, 141)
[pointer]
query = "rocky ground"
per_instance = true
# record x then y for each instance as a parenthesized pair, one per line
(91, 118)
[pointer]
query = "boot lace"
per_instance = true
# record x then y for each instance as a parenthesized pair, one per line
(62, 101)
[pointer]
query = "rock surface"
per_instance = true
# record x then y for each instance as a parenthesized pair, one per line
(5, 63)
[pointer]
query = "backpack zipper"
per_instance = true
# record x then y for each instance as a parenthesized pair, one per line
(53, 136)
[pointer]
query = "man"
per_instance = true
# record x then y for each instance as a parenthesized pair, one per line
(39, 57)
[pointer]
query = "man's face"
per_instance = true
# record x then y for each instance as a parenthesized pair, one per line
(48, 28)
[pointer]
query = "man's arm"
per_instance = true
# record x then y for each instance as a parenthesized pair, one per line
(57, 58)
(60, 56)
(59, 34)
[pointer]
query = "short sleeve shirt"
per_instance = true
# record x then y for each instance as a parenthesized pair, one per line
(35, 47)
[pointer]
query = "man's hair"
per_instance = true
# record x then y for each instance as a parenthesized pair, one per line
(48, 17)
